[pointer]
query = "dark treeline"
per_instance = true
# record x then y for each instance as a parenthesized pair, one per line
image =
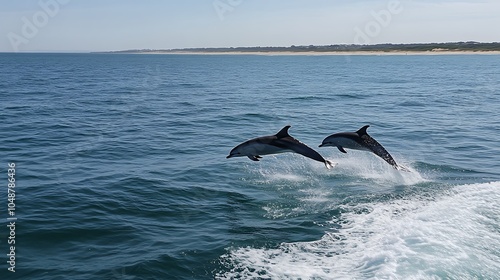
(421, 47)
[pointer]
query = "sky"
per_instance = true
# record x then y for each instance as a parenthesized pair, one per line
(108, 25)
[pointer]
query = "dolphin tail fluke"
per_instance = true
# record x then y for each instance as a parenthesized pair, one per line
(402, 168)
(329, 164)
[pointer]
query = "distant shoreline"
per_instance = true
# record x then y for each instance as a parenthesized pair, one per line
(315, 53)
(378, 49)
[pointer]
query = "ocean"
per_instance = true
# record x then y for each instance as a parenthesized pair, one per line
(120, 167)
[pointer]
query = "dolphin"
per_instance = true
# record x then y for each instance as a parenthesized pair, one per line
(359, 140)
(281, 142)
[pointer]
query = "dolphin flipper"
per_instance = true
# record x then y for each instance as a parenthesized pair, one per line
(254, 158)
(342, 149)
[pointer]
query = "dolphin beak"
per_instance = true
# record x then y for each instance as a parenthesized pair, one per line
(321, 145)
(228, 156)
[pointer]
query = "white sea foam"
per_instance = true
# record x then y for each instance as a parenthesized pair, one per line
(368, 166)
(295, 168)
(290, 168)
(453, 236)
(271, 176)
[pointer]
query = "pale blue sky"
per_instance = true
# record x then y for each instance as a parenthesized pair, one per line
(103, 25)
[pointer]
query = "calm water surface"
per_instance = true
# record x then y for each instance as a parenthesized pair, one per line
(121, 170)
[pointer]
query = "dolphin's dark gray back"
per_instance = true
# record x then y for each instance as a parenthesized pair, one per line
(375, 146)
(285, 141)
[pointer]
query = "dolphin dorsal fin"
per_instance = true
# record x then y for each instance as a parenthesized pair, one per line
(362, 131)
(283, 132)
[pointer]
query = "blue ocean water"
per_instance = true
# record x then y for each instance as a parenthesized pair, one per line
(121, 170)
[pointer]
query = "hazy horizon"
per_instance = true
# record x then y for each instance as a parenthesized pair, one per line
(85, 26)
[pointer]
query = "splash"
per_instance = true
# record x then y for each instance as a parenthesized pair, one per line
(294, 168)
(283, 169)
(366, 166)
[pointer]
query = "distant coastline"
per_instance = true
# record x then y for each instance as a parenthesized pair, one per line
(378, 49)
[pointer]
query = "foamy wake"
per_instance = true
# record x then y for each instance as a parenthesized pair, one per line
(453, 236)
